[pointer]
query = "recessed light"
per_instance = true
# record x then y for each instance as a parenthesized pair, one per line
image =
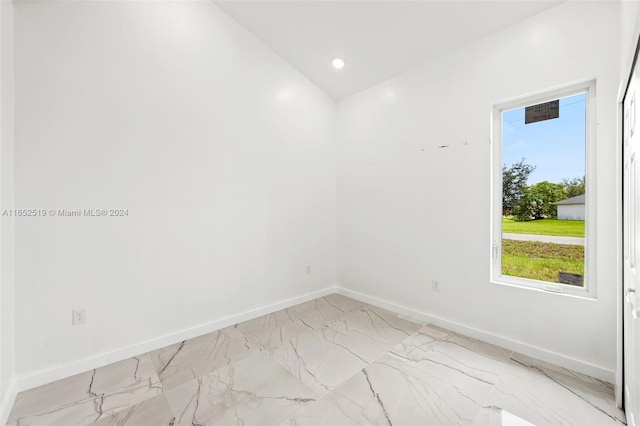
(338, 63)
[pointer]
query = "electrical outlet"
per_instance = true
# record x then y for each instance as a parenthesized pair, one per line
(308, 269)
(435, 285)
(78, 316)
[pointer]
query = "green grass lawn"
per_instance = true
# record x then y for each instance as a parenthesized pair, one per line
(541, 261)
(564, 228)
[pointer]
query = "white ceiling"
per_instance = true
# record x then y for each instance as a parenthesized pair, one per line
(378, 40)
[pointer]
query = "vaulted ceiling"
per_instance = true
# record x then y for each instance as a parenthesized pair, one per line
(378, 40)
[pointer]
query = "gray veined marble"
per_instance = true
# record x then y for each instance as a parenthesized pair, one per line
(435, 332)
(544, 394)
(319, 312)
(369, 333)
(273, 329)
(595, 391)
(330, 361)
(394, 391)
(179, 363)
(343, 303)
(88, 397)
(320, 413)
(453, 357)
(414, 345)
(496, 416)
(479, 346)
(332, 305)
(152, 412)
(253, 391)
(318, 360)
(182, 362)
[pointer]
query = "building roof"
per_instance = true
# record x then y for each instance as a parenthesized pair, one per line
(573, 200)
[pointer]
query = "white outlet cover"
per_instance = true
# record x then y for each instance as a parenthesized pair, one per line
(78, 316)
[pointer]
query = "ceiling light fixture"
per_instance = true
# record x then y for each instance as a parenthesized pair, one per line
(338, 63)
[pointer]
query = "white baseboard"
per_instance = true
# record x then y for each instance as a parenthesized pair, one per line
(505, 342)
(76, 367)
(60, 372)
(7, 402)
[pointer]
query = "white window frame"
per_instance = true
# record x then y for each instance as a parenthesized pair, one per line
(589, 288)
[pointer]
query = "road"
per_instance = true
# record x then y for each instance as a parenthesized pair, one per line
(576, 241)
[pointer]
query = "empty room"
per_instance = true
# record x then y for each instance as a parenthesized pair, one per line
(319, 212)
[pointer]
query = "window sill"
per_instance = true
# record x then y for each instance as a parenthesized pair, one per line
(539, 286)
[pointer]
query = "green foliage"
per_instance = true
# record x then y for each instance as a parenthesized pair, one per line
(537, 202)
(541, 261)
(523, 211)
(514, 182)
(574, 187)
(543, 195)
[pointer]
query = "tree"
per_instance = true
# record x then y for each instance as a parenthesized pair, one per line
(523, 211)
(514, 182)
(574, 187)
(537, 203)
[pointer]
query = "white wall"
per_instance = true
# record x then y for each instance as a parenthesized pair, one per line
(410, 212)
(629, 33)
(7, 342)
(571, 211)
(223, 154)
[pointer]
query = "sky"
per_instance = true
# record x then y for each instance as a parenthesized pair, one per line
(556, 147)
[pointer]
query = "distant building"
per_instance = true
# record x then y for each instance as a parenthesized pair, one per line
(571, 208)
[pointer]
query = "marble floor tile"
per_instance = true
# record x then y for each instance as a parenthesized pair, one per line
(152, 412)
(318, 360)
(319, 312)
(343, 302)
(273, 329)
(182, 362)
(435, 332)
(496, 416)
(320, 413)
(595, 391)
(541, 397)
(330, 361)
(87, 397)
(369, 334)
(253, 391)
(395, 391)
(414, 344)
(479, 346)
(384, 312)
(332, 305)
(454, 356)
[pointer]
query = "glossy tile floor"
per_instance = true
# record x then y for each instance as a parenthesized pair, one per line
(331, 361)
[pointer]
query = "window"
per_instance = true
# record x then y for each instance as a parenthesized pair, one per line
(543, 210)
